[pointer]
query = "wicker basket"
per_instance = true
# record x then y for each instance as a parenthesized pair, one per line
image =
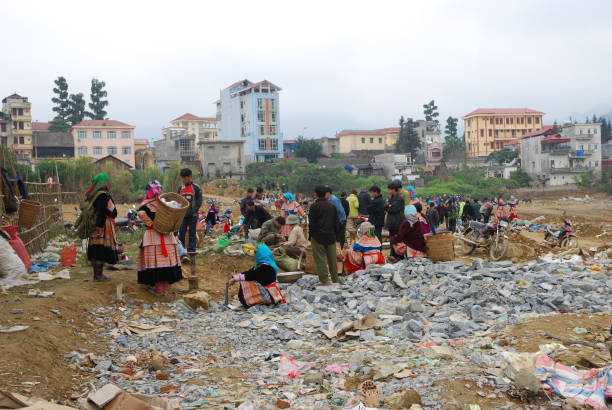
(168, 219)
(28, 212)
(440, 247)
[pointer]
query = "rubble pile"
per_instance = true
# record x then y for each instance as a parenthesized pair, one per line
(405, 326)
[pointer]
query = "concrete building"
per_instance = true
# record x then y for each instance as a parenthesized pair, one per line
(51, 145)
(249, 112)
(178, 145)
(224, 158)
(330, 145)
(144, 154)
(204, 128)
(489, 129)
(396, 166)
(20, 111)
(379, 140)
(5, 129)
(99, 138)
(356, 166)
(555, 158)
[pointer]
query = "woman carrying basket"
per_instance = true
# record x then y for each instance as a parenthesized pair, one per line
(102, 246)
(159, 264)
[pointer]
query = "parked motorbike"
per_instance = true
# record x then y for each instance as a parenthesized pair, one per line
(131, 222)
(563, 237)
(491, 235)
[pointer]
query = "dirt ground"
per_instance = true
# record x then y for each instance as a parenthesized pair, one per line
(36, 354)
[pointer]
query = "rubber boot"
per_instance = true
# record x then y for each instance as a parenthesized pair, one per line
(98, 275)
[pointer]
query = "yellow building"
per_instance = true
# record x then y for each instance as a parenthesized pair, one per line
(20, 111)
(490, 129)
(204, 128)
(367, 140)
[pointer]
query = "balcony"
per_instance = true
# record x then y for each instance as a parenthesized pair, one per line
(559, 151)
(585, 136)
(568, 170)
(584, 152)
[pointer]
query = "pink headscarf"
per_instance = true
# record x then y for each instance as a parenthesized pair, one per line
(154, 189)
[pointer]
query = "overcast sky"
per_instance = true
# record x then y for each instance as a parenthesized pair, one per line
(341, 64)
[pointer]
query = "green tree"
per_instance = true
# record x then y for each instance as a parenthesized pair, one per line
(520, 177)
(98, 102)
(431, 113)
(77, 108)
(451, 127)
(408, 140)
(308, 148)
(61, 99)
(502, 156)
(58, 124)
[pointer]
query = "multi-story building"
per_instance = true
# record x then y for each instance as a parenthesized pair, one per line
(329, 145)
(99, 138)
(556, 158)
(204, 128)
(489, 129)
(249, 112)
(20, 111)
(379, 140)
(222, 158)
(50, 145)
(5, 129)
(177, 145)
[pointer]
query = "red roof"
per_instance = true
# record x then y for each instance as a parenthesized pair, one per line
(553, 139)
(606, 162)
(545, 130)
(481, 111)
(102, 123)
(141, 141)
(513, 142)
(191, 117)
(255, 85)
(289, 141)
(14, 95)
(40, 126)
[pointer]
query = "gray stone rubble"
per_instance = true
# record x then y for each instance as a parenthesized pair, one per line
(417, 301)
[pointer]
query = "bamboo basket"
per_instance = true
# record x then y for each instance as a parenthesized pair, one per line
(28, 212)
(168, 219)
(440, 247)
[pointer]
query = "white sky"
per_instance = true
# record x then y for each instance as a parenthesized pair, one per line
(341, 64)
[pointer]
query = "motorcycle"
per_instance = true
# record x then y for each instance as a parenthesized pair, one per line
(491, 235)
(563, 238)
(131, 222)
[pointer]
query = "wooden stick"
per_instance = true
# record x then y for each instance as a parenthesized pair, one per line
(571, 341)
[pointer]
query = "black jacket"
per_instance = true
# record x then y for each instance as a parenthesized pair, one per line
(376, 211)
(364, 202)
(255, 218)
(195, 199)
(395, 213)
(323, 222)
(346, 206)
(243, 208)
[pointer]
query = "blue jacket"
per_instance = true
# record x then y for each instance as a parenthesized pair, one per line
(341, 214)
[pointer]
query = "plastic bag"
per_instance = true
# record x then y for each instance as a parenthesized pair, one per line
(292, 368)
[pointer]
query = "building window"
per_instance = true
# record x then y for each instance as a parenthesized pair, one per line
(380, 140)
(82, 150)
(111, 150)
(97, 134)
(21, 140)
(595, 131)
(272, 129)
(537, 120)
(490, 133)
(20, 125)
(528, 120)
(125, 134)
(262, 144)
(363, 140)
(211, 148)
(126, 150)
(111, 134)
(262, 130)
(482, 133)
(513, 133)
(491, 145)
(97, 150)
(491, 121)
(274, 144)
(371, 140)
(469, 123)
(82, 134)
(226, 149)
(580, 132)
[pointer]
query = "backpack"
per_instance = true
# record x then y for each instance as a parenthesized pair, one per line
(85, 224)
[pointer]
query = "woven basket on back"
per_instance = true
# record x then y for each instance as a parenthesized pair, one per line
(168, 219)
(440, 247)
(28, 212)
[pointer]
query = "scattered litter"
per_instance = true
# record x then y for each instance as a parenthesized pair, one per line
(139, 329)
(288, 367)
(37, 293)
(12, 329)
(580, 330)
(336, 368)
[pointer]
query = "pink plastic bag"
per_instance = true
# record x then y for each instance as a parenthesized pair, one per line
(336, 368)
(288, 367)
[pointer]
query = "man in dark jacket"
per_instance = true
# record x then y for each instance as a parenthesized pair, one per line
(243, 201)
(255, 217)
(323, 225)
(476, 210)
(433, 218)
(364, 202)
(395, 209)
(376, 211)
(192, 193)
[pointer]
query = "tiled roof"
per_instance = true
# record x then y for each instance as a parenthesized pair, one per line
(40, 126)
(553, 139)
(545, 130)
(14, 95)
(191, 117)
(481, 111)
(113, 158)
(237, 82)
(102, 123)
(255, 85)
(141, 141)
(513, 142)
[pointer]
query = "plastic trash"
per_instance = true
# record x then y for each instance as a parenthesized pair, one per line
(68, 255)
(288, 367)
(580, 330)
(336, 368)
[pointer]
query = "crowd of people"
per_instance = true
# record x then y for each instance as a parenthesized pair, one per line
(408, 220)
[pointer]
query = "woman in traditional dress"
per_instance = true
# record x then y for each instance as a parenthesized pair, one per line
(501, 208)
(365, 252)
(290, 207)
(211, 219)
(258, 285)
(410, 241)
(102, 247)
(159, 263)
(512, 203)
(422, 219)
